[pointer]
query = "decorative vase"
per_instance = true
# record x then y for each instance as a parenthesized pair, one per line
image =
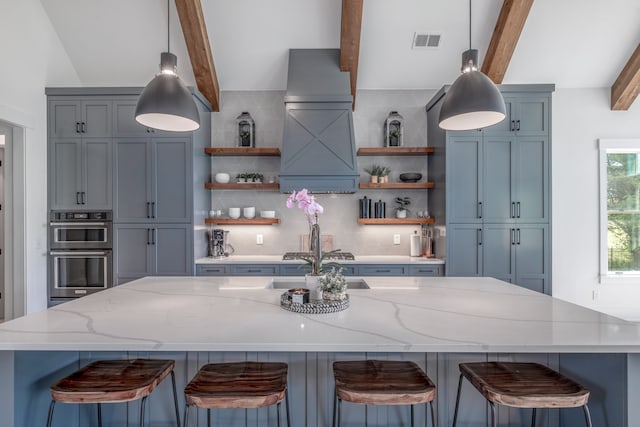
(373, 179)
(334, 296)
(401, 213)
(312, 282)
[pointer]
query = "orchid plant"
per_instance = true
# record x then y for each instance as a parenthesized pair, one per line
(312, 209)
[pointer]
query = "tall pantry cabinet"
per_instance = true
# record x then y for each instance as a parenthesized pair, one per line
(492, 195)
(100, 158)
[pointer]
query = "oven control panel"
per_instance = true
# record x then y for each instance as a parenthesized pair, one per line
(81, 216)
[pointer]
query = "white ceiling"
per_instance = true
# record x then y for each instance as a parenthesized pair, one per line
(572, 43)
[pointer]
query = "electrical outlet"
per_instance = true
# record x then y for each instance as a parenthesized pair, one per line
(396, 239)
(595, 295)
(259, 239)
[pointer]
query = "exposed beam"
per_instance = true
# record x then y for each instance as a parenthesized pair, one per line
(505, 36)
(627, 86)
(350, 41)
(197, 40)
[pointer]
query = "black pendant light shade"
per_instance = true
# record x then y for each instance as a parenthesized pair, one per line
(166, 103)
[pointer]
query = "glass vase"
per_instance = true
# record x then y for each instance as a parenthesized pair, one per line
(312, 282)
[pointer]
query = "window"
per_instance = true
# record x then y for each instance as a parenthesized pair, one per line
(619, 210)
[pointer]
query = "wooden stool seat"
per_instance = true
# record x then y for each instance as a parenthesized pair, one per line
(114, 381)
(524, 385)
(382, 382)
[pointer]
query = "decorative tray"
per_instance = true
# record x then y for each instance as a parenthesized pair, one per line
(315, 306)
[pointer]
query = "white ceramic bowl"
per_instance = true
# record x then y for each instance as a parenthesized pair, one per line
(222, 178)
(267, 214)
(234, 213)
(249, 212)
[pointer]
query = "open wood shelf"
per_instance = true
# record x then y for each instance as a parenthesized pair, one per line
(242, 221)
(242, 151)
(395, 221)
(242, 186)
(396, 185)
(395, 151)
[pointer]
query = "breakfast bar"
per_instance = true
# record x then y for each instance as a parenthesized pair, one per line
(435, 321)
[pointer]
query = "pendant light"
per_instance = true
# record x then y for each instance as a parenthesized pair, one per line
(473, 101)
(166, 103)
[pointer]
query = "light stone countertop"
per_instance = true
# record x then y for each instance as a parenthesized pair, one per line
(359, 259)
(398, 314)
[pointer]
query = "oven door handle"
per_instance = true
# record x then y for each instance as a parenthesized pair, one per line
(79, 224)
(81, 253)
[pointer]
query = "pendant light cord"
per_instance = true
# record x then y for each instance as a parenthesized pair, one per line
(469, 24)
(168, 32)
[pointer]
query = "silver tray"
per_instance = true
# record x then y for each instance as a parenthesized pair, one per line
(315, 306)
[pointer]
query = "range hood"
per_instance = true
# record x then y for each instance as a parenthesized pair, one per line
(318, 147)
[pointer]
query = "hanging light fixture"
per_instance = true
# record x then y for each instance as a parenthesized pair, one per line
(166, 103)
(473, 101)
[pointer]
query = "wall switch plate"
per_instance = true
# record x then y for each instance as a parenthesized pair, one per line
(396, 239)
(259, 239)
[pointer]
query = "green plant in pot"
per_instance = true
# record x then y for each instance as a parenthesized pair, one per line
(401, 209)
(334, 285)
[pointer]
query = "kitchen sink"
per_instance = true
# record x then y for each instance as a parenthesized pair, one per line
(299, 283)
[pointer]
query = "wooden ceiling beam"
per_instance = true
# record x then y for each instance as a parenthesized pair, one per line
(350, 29)
(505, 36)
(627, 86)
(197, 40)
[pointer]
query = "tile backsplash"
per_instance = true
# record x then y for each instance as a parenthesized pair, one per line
(341, 210)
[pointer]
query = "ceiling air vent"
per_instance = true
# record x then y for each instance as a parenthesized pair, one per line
(426, 41)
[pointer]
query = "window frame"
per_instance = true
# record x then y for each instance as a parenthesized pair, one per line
(606, 146)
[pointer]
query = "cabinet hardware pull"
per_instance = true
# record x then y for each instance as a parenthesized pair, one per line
(480, 210)
(513, 210)
(253, 271)
(148, 236)
(518, 210)
(77, 127)
(153, 236)
(84, 127)
(148, 207)
(513, 125)
(513, 236)
(383, 271)
(479, 236)
(153, 209)
(84, 197)
(518, 125)
(518, 236)
(78, 202)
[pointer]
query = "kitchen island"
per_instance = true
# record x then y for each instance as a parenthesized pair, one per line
(437, 322)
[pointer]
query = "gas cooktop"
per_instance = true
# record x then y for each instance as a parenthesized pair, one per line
(341, 256)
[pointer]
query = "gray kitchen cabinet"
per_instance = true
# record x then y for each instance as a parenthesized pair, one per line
(83, 118)
(497, 182)
(426, 270)
(158, 250)
(80, 173)
(254, 270)
(125, 124)
(152, 180)
(465, 243)
(211, 270)
(382, 270)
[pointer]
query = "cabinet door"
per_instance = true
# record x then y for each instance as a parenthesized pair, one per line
(498, 259)
(426, 270)
(464, 179)
(64, 118)
(172, 247)
(506, 126)
(97, 174)
(532, 115)
(253, 269)
(132, 170)
(532, 180)
(211, 270)
(96, 118)
(125, 124)
(171, 180)
(464, 250)
(498, 170)
(66, 171)
(382, 270)
(532, 257)
(131, 252)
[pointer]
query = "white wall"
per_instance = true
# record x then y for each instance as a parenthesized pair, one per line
(32, 58)
(580, 118)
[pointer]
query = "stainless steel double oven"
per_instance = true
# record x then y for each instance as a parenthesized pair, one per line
(80, 256)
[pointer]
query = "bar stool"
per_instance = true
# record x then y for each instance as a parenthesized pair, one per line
(523, 385)
(114, 381)
(381, 382)
(238, 385)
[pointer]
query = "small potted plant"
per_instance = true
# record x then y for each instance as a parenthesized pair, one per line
(334, 285)
(373, 172)
(401, 209)
(258, 177)
(384, 174)
(240, 178)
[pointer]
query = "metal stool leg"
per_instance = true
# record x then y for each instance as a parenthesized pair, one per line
(99, 414)
(335, 404)
(412, 424)
(186, 416)
(587, 415)
(533, 418)
(493, 414)
(50, 416)
(339, 412)
(433, 415)
(208, 417)
(455, 412)
(286, 402)
(175, 397)
(142, 403)
(278, 411)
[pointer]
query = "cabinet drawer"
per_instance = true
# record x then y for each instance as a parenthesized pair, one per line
(254, 270)
(382, 270)
(294, 269)
(426, 270)
(211, 270)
